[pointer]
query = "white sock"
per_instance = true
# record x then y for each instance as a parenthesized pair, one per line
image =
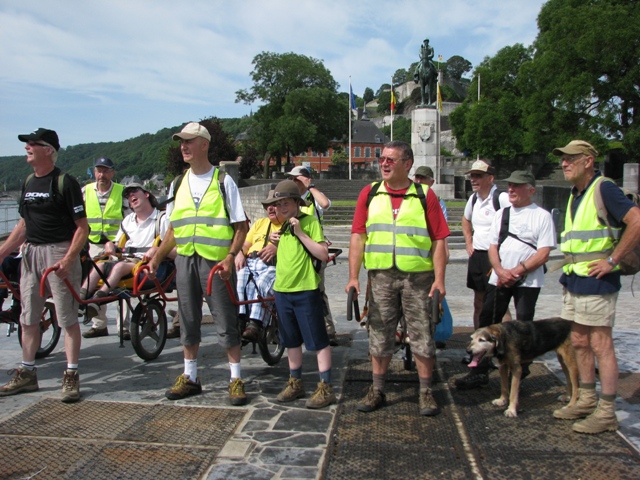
(191, 369)
(235, 370)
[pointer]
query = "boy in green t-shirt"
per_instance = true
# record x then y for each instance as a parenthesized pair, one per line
(298, 300)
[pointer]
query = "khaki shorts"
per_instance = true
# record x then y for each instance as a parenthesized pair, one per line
(589, 310)
(35, 260)
(393, 294)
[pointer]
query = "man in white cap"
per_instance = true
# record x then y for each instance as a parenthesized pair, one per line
(317, 204)
(476, 225)
(591, 282)
(208, 228)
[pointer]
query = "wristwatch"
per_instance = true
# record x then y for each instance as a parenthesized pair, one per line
(611, 262)
(311, 185)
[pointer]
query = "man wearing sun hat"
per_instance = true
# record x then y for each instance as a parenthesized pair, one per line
(318, 202)
(208, 228)
(52, 231)
(591, 282)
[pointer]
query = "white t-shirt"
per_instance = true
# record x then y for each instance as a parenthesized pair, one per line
(142, 235)
(199, 184)
(318, 207)
(481, 217)
(532, 224)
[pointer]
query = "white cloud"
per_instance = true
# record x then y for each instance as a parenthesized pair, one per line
(158, 59)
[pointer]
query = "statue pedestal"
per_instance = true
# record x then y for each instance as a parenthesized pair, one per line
(424, 140)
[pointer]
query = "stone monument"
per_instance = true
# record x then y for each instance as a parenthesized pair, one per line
(425, 122)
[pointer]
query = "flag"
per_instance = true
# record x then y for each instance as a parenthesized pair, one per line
(89, 172)
(353, 100)
(439, 98)
(393, 101)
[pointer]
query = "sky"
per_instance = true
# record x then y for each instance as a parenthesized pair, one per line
(110, 70)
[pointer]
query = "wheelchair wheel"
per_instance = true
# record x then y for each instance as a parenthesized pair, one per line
(49, 331)
(148, 329)
(269, 342)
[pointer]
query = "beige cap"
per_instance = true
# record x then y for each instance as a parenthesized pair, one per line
(483, 167)
(424, 172)
(576, 147)
(192, 130)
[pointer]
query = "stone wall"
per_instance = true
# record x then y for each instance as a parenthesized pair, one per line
(252, 200)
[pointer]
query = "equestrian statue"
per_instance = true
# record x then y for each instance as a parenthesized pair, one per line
(426, 74)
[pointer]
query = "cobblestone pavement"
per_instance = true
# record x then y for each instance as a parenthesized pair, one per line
(274, 440)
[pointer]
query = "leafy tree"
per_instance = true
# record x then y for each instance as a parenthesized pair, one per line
(220, 148)
(400, 76)
(584, 81)
(493, 127)
(401, 129)
(249, 163)
(339, 155)
(384, 87)
(302, 107)
(368, 95)
(457, 66)
(384, 102)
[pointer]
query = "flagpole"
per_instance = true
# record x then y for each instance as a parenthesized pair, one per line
(350, 114)
(392, 109)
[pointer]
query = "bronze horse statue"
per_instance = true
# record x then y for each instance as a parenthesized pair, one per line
(426, 75)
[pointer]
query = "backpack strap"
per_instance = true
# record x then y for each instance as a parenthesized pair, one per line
(419, 193)
(504, 230)
(317, 264)
(495, 198)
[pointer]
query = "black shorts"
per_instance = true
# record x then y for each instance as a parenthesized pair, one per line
(479, 271)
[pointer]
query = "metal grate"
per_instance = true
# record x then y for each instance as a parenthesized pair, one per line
(396, 441)
(113, 440)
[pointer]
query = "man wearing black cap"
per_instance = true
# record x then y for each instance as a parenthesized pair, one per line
(105, 210)
(591, 282)
(52, 231)
(521, 238)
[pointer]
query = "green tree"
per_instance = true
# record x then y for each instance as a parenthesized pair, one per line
(401, 129)
(493, 127)
(457, 66)
(400, 76)
(368, 95)
(584, 81)
(302, 107)
(384, 102)
(384, 87)
(339, 156)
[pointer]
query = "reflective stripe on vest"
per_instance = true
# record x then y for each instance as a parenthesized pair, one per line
(403, 242)
(585, 233)
(204, 230)
(311, 209)
(105, 222)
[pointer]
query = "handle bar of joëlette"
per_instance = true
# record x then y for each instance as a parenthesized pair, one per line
(230, 289)
(333, 254)
(352, 304)
(435, 306)
(140, 278)
(137, 291)
(5, 283)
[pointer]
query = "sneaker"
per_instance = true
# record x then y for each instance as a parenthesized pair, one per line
(252, 332)
(96, 332)
(23, 381)
(472, 380)
(70, 386)
(184, 388)
(373, 401)
(428, 405)
(333, 340)
(322, 397)
(93, 310)
(237, 396)
(293, 390)
(126, 334)
(173, 332)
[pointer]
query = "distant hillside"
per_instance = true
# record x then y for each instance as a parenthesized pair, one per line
(144, 156)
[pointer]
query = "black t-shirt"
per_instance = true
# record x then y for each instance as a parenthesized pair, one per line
(48, 214)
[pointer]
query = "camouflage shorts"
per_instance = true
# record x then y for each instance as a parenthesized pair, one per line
(393, 294)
